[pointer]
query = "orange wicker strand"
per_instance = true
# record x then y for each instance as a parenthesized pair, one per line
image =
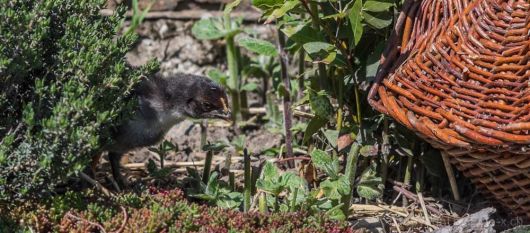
(457, 72)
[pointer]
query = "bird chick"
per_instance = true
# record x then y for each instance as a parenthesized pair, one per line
(162, 103)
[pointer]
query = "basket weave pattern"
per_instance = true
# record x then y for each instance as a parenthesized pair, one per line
(457, 73)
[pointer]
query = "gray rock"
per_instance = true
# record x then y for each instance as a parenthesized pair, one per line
(480, 221)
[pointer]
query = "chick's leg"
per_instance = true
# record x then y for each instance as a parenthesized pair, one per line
(114, 159)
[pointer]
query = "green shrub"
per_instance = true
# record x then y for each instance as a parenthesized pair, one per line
(64, 83)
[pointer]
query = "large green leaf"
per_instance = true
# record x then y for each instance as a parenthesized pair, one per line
(326, 163)
(230, 6)
(370, 186)
(378, 20)
(279, 12)
(377, 5)
(312, 127)
(336, 189)
(320, 52)
(208, 29)
(355, 17)
(320, 104)
(267, 4)
(302, 33)
(258, 46)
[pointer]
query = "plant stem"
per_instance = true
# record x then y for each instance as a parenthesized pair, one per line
(451, 176)
(276, 203)
(232, 181)
(207, 166)
(340, 113)
(262, 202)
(243, 101)
(301, 73)
(287, 114)
(419, 190)
(358, 109)
(322, 81)
(408, 172)
(204, 132)
(385, 151)
(351, 170)
(248, 188)
(231, 58)
(293, 202)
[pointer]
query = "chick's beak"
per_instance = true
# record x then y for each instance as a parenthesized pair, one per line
(225, 115)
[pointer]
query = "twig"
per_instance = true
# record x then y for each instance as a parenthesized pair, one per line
(263, 110)
(397, 225)
(451, 176)
(423, 207)
(293, 158)
(70, 215)
(125, 219)
(411, 217)
(413, 197)
(96, 184)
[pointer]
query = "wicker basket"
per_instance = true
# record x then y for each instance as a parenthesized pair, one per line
(457, 73)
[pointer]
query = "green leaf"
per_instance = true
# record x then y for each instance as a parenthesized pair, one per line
(378, 20)
(302, 33)
(369, 150)
(258, 46)
(320, 52)
(326, 163)
(279, 12)
(230, 6)
(336, 213)
(355, 17)
(370, 186)
(230, 201)
(267, 4)
(332, 136)
(377, 5)
(336, 189)
(215, 147)
(372, 63)
(320, 104)
(249, 87)
(207, 29)
(218, 76)
(270, 179)
(312, 127)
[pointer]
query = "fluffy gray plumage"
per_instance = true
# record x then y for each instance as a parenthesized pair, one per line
(162, 103)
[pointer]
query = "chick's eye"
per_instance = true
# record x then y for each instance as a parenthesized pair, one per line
(208, 106)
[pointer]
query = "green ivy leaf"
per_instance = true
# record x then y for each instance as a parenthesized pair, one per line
(259, 46)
